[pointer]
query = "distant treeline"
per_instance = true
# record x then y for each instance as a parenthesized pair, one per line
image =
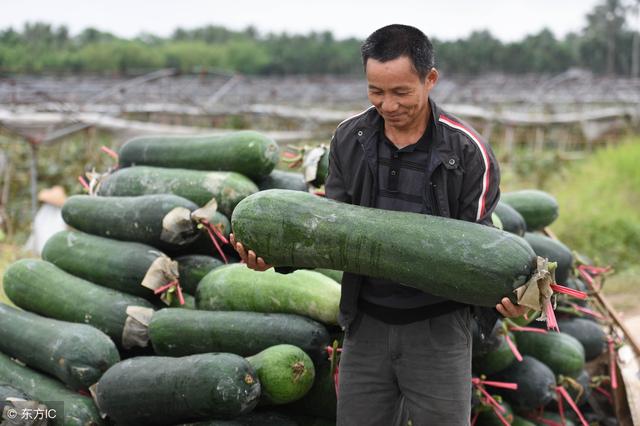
(605, 45)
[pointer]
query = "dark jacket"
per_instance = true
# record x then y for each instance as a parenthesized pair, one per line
(462, 182)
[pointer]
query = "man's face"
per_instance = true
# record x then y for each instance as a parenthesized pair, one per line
(396, 91)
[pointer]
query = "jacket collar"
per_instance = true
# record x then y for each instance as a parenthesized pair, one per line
(371, 123)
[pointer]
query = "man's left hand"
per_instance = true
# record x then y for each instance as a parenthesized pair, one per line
(509, 310)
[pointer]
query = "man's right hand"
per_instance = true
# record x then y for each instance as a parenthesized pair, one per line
(253, 262)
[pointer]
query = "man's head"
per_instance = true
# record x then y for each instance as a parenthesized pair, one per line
(399, 64)
(394, 41)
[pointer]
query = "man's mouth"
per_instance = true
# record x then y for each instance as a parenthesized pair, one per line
(394, 117)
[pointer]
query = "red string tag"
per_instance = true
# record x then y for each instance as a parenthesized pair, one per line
(166, 287)
(604, 392)
(84, 183)
(214, 232)
(589, 272)
(552, 323)
(564, 394)
(513, 347)
(503, 385)
(336, 374)
(560, 405)
(595, 270)
(111, 153)
(491, 400)
(498, 409)
(529, 329)
(587, 311)
(571, 292)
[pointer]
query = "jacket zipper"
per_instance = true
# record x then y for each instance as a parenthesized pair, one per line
(372, 196)
(434, 199)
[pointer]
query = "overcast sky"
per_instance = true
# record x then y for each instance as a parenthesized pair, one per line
(509, 20)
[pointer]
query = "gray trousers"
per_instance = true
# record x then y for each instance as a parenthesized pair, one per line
(417, 374)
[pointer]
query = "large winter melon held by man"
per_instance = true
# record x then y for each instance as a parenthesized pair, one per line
(459, 260)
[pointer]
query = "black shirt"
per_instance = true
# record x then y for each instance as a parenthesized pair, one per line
(402, 186)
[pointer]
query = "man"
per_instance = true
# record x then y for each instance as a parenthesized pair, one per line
(48, 220)
(406, 353)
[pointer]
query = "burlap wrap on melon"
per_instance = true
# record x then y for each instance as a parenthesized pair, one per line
(136, 327)
(537, 292)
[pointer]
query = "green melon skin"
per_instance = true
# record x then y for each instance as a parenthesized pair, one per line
(254, 418)
(511, 220)
(79, 410)
(246, 152)
(458, 260)
(76, 354)
(136, 219)
(579, 389)
(524, 322)
(496, 360)
(235, 287)
(119, 265)
(41, 287)
(554, 417)
(7, 391)
(483, 344)
(321, 400)
(189, 302)
(179, 332)
(279, 179)
(588, 333)
(334, 275)
(286, 373)
(203, 245)
(519, 421)
(228, 188)
(313, 421)
(193, 267)
(553, 250)
(536, 384)
(495, 219)
(488, 417)
(162, 390)
(538, 208)
(562, 353)
(323, 170)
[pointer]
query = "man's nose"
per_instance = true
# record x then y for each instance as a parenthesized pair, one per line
(389, 105)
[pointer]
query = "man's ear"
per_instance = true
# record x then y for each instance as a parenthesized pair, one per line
(432, 78)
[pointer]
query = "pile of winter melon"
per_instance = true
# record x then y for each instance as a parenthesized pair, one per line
(563, 376)
(141, 313)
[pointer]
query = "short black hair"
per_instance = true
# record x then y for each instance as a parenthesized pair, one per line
(393, 41)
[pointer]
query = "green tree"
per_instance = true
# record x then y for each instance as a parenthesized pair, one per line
(602, 44)
(92, 35)
(189, 55)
